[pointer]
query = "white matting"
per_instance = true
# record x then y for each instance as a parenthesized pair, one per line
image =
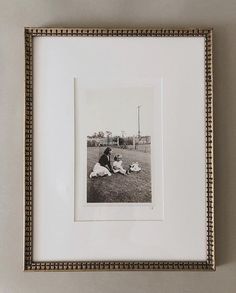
(182, 233)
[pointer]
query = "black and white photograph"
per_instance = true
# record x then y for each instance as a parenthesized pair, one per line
(119, 139)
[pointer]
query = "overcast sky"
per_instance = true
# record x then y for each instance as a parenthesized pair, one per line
(115, 109)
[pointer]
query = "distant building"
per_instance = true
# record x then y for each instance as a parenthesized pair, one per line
(144, 139)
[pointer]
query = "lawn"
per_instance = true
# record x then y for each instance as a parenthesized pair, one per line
(135, 187)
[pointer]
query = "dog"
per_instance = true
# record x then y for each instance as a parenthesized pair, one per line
(134, 167)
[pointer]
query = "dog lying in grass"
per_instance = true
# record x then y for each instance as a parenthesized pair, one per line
(134, 167)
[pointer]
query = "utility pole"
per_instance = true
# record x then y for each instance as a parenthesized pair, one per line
(139, 120)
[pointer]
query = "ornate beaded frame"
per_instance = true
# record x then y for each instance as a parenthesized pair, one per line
(29, 263)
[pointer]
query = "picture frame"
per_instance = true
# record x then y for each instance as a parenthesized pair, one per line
(33, 166)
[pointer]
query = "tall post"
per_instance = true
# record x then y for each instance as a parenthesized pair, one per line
(139, 120)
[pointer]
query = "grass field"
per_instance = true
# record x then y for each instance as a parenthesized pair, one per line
(135, 187)
(146, 148)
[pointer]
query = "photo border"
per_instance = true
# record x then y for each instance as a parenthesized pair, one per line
(154, 208)
(29, 263)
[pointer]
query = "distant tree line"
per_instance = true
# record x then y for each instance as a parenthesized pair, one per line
(103, 139)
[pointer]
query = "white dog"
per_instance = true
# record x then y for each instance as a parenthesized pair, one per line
(134, 167)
